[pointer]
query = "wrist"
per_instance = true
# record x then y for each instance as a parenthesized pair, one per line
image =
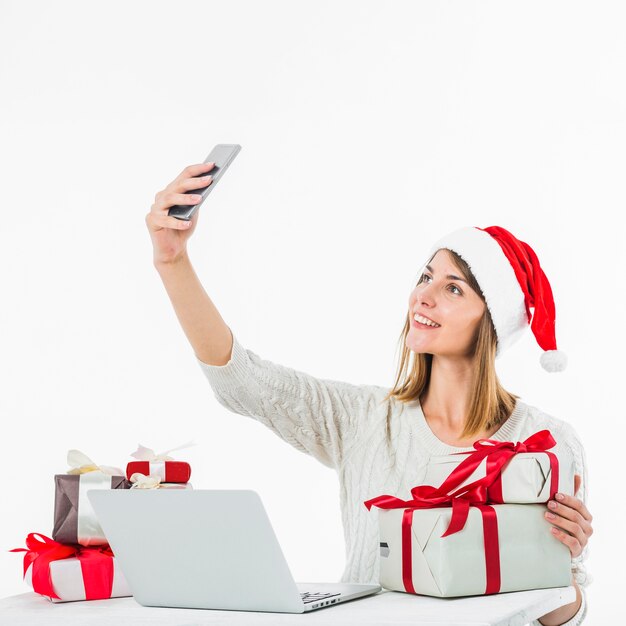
(166, 265)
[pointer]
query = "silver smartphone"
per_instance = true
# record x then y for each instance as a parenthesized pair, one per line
(223, 155)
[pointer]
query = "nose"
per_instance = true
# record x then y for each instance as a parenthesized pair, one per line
(424, 295)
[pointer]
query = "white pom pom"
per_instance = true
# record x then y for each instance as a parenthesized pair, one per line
(553, 361)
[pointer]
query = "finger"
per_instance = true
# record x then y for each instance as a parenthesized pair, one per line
(193, 170)
(164, 201)
(574, 515)
(574, 503)
(577, 481)
(572, 528)
(571, 542)
(193, 183)
(156, 222)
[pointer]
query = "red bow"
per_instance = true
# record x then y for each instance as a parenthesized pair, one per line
(427, 497)
(498, 454)
(96, 564)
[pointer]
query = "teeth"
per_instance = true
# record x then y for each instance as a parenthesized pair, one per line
(423, 320)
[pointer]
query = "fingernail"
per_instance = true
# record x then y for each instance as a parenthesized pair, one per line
(550, 515)
(559, 496)
(552, 504)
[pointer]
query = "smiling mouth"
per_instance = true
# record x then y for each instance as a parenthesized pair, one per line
(421, 326)
(424, 321)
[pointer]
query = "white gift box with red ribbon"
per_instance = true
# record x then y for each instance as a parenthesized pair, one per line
(525, 472)
(67, 581)
(516, 554)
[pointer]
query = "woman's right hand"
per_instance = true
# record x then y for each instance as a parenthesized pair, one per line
(169, 234)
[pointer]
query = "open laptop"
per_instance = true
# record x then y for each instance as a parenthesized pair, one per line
(207, 549)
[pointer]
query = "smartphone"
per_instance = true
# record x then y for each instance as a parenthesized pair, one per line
(223, 155)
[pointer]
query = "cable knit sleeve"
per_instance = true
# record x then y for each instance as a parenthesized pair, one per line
(571, 441)
(316, 416)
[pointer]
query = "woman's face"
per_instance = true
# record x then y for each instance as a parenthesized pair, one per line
(443, 297)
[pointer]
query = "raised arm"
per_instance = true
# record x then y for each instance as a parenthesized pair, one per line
(320, 417)
(206, 331)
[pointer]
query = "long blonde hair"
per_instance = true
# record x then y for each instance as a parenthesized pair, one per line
(490, 404)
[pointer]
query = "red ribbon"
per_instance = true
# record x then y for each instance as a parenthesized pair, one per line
(499, 454)
(96, 565)
(427, 497)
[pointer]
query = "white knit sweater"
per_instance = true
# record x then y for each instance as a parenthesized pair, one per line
(376, 447)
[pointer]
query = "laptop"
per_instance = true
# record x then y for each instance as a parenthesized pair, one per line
(207, 549)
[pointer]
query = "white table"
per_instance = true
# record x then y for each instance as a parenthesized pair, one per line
(386, 607)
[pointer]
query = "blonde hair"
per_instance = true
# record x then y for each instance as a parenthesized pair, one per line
(490, 404)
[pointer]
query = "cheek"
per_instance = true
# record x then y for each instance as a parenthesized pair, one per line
(459, 325)
(469, 325)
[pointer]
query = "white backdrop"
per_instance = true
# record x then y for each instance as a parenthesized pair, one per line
(369, 129)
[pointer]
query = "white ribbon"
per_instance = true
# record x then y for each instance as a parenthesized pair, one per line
(92, 476)
(141, 481)
(88, 530)
(157, 468)
(146, 454)
(81, 464)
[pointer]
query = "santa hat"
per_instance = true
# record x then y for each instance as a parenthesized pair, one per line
(512, 282)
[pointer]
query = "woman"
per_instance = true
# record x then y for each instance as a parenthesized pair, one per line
(379, 440)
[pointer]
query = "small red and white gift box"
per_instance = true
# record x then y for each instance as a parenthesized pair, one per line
(167, 471)
(70, 572)
(165, 467)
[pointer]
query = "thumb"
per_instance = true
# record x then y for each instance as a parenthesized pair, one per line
(577, 481)
(194, 220)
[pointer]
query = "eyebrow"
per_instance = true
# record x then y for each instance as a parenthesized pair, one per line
(449, 276)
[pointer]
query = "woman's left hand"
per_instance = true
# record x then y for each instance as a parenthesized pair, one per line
(571, 519)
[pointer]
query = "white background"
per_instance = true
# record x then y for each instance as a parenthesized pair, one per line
(369, 129)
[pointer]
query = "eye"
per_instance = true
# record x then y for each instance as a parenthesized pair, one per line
(429, 277)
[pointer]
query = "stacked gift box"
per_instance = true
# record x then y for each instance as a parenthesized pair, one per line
(151, 470)
(77, 563)
(482, 529)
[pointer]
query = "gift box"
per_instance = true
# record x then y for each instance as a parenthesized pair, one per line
(460, 538)
(168, 471)
(162, 465)
(523, 472)
(65, 573)
(75, 520)
(501, 548)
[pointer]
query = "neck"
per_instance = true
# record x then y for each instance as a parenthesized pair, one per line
(446, 401)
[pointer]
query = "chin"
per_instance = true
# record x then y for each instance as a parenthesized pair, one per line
(419, 347)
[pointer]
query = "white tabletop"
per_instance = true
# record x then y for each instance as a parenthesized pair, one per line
(386, 607)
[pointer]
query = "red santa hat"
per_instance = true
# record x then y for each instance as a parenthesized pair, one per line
(512, 282)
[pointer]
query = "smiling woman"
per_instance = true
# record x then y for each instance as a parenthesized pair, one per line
(477, 290)
(464, 340)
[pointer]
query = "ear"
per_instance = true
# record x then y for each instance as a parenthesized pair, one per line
(577, 481)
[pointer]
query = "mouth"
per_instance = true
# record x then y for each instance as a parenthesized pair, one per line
(424, 323)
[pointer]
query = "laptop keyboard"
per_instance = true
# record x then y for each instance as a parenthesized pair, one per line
(308, 597)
